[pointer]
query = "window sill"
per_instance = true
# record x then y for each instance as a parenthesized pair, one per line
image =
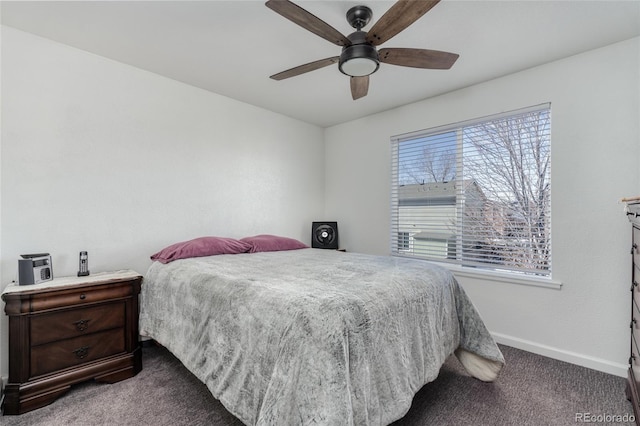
(503, 277)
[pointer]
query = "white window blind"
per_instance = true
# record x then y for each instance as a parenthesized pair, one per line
(476, 193)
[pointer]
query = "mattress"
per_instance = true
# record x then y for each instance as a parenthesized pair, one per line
(314, 336)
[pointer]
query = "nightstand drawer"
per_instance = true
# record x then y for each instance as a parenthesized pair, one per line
(78, 296)
(47, 328)
(71, 352)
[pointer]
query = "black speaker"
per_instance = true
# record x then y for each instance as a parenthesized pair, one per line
(324, 235)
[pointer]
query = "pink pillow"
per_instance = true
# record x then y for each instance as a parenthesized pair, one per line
(203, 246)
(272, 243)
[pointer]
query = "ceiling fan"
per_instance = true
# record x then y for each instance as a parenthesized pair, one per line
(359, 57)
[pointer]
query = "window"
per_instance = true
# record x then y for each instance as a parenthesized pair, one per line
(477, 193)
(403, 241)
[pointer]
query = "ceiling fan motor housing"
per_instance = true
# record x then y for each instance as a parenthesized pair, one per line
(359, 16)
(360, 58)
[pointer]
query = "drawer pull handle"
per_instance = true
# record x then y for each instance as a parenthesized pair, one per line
(82, 324)
(81, 352)
(83, 296)
(633, 321)
(634, 247)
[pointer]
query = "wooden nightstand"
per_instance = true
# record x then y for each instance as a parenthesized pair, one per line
(69, 330)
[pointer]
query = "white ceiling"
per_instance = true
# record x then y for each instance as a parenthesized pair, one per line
(232, 47)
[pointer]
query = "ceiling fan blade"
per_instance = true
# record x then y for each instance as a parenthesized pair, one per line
(402, 14)
(308, 21)
(418, 58)
(311, 66)
(359, 87)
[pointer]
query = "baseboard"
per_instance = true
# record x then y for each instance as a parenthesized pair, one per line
(562, 355)
(3, 380)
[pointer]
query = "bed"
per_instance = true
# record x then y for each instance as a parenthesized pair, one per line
(314, 336)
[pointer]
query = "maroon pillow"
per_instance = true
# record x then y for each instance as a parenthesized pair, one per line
(272, 243)
(203, 246)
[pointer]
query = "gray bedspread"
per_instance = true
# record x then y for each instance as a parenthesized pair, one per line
(313, 336)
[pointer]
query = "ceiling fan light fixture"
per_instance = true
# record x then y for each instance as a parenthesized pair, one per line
(359, 60)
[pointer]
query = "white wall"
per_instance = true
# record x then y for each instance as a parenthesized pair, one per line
(104, 157)
(99, 156)
(595, 152)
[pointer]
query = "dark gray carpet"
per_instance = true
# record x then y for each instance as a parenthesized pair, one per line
(531, 390)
